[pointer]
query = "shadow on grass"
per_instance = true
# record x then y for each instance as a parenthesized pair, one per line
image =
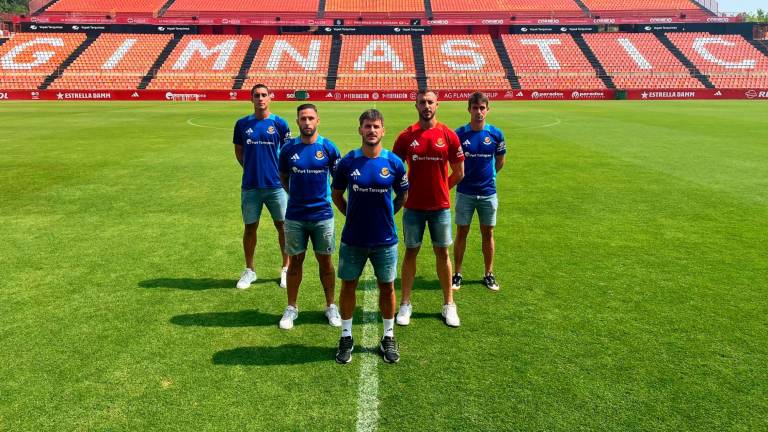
(426, 315)
(246, 318)
(291, 354)
(421, 284)
(198, 284)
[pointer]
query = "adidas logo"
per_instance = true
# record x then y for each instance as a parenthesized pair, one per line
(295, 156)
(249, 131)
(356, 173)
(135, 95)
(466, 143)
(415, 143)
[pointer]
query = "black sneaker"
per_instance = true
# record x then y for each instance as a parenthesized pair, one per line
(389, 350)
(344, 354)
(456, 281)
(490, 282)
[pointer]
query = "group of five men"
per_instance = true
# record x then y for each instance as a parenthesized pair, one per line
(298, 178)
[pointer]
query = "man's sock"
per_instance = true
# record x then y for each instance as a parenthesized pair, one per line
(389, 326)
(346, 328)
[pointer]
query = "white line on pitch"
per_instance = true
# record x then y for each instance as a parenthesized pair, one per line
(368, 387)
(548, 125)
(192, 123)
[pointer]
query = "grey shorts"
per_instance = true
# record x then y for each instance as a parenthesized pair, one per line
(298, 233)
(252, 201)
(486, 207)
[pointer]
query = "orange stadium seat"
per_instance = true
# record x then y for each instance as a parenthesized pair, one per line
(376, 62)
(639, 60)
(644, 8)
(291, 62)
(551, 61)
(114, 61)
(463, 62)
(250, 7)
(28, 58)
(521, 8)
(203, 62)
(729, 60)
(92, 7)
(390, 7)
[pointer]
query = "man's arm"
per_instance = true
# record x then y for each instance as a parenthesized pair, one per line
(239, 154)
(500, 162)
(284, 180)
(457, 173)
(337, 195)
(399, 200)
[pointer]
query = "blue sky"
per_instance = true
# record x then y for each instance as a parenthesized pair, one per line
(742, 5)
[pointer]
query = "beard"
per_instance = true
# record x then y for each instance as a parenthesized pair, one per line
(372, 144)
(308, 132)
(426, 115)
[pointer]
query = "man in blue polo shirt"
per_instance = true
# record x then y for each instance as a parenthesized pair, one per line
(369, 175)
(306, 165)
(484, 154)
(258, 139)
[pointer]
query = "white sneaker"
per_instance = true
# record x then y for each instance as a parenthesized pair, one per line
(246, 279)
(290, 314)
(404, 314)
(284, 278)
(332, 313)
(451, 315)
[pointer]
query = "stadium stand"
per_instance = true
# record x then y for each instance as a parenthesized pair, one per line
(107, 7)
(228, 8)
(291, 62)
(376, 62)
(645, 8)
(552, 61)
(27, 59)
(463, 62)
(639, 60)
(392, 8)
(203, 62)
(728, 60)
(113, 61)
(519, 8)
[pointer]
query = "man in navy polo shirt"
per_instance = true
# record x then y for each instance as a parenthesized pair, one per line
(484, 154)
(258, 139)
(369, 174)
(306, 166)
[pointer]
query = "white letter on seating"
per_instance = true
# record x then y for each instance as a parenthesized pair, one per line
(224, 50)
(450, 50)
(700, 45)
(283, 46)
(369, 56)
(41, 57)
(546, 51)
(633, 52)
(119, 54)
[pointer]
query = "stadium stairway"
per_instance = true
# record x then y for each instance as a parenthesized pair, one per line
(165, 8)
(418, 59)
(584, 8)
(321, 9)
(68, 61)
(590, 55)
(428, 9)
(703, 8)
(761, 46)
(695, 72)
(44, 8)
(246, 66)
(159, 62)
(333, 64)
(507, 63)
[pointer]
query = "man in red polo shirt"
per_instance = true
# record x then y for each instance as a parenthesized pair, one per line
(428, 147)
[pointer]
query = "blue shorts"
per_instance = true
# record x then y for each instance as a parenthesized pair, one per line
(253, 200)
(298, 233)
(486, 207)
(383, 259)
(439, 222)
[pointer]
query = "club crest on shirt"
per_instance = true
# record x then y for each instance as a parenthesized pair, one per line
(384, 172)
(319, 155)
(440, 143)
(271, 130)
(487, 141)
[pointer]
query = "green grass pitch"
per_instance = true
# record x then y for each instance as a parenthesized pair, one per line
(632, 255)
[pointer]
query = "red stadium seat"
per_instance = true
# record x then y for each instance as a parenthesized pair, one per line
(102, 7)
(227, 8)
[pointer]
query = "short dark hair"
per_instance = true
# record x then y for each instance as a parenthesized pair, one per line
(264, 86)
(305, 106)
(422, 92)
(371, 115)
(478, 98)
